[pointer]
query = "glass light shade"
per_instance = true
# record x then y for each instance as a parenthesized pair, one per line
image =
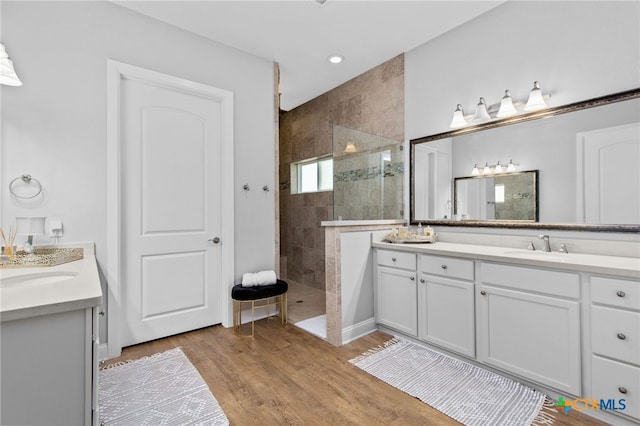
(458, 118)
(350, 147)
(498, 168)
(481, 112)
(8, 74)
(475, 171)
(30, 225)
(511, 167)
(486, 170)
(536, 100)
(506, 106)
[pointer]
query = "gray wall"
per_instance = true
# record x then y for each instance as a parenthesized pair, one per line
(54, 126)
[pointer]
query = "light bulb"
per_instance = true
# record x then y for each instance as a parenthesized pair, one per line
(511, 167)
(475, 171)
(498, 168)
(486, 170)
(458, 118)
(535, 101)
(506, 106)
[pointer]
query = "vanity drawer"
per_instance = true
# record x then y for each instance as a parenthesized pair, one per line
(616, 333)
(615, 292)
(556, 283)
(396, 259)
(447, 267)
(615, 380)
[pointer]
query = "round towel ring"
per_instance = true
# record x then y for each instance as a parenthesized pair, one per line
(27, 179)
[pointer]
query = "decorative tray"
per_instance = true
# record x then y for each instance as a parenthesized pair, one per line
(44, 257)
(410, 239)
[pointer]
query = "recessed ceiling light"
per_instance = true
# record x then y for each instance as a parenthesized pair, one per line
(335, 59)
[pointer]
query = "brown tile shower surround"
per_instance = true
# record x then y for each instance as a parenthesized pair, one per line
(372, 102)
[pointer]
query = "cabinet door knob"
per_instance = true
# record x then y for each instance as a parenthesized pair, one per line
(412, 278)
(483, 292)
(621, 336)
(622, 389)
(421, 280)
(101, 313)
(393, 259)
(620, 293)
(443, 266)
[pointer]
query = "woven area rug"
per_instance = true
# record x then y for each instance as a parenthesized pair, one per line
(464, 392)
(162, 389)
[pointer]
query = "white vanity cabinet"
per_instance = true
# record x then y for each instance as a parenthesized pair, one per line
(446, 313)
(529, 324)
(615, 342)
(49, 369)
(396, 291)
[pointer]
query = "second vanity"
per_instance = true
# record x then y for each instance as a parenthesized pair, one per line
(568, 324)
(49, 343)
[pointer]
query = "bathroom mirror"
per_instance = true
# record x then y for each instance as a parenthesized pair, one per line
(507, 196)
(585, 154)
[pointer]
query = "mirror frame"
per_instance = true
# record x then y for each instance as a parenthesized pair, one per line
(535, 115)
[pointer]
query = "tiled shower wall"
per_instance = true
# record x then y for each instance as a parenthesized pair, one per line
(373, 103)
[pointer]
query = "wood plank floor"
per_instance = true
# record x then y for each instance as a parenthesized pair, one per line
(285, 376)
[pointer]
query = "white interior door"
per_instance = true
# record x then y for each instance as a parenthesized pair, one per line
(171, 202)
(608, 175)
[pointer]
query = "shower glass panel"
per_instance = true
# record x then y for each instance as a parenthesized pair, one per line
(368, 176)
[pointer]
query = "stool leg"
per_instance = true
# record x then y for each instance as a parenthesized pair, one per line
(283, 308)
(253, 320)
(237, 311)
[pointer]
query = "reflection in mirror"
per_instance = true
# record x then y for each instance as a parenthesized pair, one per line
(587, 155)
(509, 196)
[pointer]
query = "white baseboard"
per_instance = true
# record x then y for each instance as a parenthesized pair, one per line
(358, 330)
(103, 351)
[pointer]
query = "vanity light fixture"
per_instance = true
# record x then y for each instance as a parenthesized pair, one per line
(490, 169)
(506, 106)
(536, 101)
(481, 112)
(335, 59)
(458, 118)
(8, 74)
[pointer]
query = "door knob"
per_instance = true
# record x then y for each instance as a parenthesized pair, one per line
(214, 240)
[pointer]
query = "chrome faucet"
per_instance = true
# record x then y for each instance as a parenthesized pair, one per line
(545, 238)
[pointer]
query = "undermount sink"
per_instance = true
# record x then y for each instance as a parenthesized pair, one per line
(541, 255)
(38, 278)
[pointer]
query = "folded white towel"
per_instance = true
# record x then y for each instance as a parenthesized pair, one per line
(259, 278)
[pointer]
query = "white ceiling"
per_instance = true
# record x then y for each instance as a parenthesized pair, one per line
(301, 34)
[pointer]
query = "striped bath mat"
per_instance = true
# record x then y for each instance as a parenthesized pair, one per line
(469, 394)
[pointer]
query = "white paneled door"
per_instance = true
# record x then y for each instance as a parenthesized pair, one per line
(607, 157)
(171, 210)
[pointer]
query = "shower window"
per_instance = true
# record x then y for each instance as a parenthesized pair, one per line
(312, 175)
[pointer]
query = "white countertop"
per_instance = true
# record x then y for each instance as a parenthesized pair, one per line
(611, 265)
(25, 299)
